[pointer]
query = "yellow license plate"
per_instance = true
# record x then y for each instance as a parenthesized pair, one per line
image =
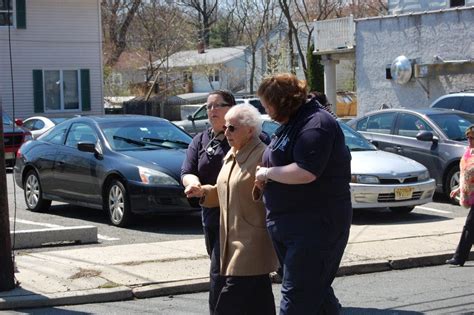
(403, 193)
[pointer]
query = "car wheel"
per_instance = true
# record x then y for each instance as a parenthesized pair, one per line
(401, 209)
(34, 193)
(117, 204)
(452, 182)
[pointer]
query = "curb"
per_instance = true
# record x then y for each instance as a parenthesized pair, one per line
(66, 298)
(172, 288)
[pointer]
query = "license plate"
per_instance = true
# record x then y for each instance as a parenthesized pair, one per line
(403, 193)
(9, 155)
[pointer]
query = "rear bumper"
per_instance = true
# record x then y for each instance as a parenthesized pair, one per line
(159, 199)
(382, 196)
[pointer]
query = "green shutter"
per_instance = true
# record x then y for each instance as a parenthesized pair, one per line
(85, 90)
(38, 91)
(20, 14)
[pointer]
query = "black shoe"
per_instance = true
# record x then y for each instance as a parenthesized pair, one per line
(455, 262)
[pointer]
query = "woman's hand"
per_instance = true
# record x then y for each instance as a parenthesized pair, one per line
(455, 192)
(194, 190)
(261, 174)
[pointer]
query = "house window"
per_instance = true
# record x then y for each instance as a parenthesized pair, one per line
(457, 3)
(61, 90)
(215, 77)
(187, 76)
(6, 12)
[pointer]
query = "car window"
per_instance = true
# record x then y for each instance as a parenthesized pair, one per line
(39, 124)
(80, 132)
(269, 127)
(453, 124)
(55, 135)
(29, 124)
(6, 119)
(381, 123)
(147, 134)
(467, 104)
(362, 124)
(448, 102)
(258, 105)
(201, 113)
(410, 125)
(354, 140)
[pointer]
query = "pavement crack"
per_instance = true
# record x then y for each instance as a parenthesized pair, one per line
(85, 273)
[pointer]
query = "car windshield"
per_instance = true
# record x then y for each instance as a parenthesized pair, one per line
(146, 134)
(7, 120)
(354, 140)
(453, 124)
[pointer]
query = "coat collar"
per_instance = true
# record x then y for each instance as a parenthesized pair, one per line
(243, 154)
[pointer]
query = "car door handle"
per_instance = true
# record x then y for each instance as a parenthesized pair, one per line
(398, 148)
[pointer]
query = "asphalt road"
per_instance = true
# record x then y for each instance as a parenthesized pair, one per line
(430, 290)
(183, 226)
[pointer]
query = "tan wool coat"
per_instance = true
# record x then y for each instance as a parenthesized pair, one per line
(246, 247)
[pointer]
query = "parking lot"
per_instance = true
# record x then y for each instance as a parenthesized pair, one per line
(185, 226)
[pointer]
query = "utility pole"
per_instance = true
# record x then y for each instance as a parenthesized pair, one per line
(7, 278)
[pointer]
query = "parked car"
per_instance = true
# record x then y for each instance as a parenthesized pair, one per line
(399, 183)
(123, 164)
(463, 101)
(13, 137)
(38, 125)
(434, 137)
(198, 121)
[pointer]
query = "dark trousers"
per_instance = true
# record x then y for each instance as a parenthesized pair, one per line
(216, 281)
(309, 268)
(246, 295)
(467, 238)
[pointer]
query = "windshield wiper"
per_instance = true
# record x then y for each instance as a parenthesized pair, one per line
(164, 140)
(138, 142)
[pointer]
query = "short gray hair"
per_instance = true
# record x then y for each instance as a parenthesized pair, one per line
(246, 115)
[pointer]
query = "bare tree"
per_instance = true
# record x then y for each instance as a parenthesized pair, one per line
(117, 15)
(203, 13)
(256, 20)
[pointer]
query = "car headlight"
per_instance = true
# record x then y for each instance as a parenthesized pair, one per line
(424, 176)
(154, 177)
(365, 179)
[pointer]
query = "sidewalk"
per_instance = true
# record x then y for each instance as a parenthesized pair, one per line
(120, 272)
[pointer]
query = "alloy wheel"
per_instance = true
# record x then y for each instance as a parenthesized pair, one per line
(116, 204)
(32, 191)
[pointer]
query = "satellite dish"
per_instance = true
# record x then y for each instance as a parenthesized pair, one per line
(401, 70)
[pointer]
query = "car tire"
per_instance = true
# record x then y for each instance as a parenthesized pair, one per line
(33, 193)
(452, 181)
(117, 204)
(401, 210)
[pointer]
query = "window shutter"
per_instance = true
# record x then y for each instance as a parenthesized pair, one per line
(38, 91)
(85, 90)
(20, 14)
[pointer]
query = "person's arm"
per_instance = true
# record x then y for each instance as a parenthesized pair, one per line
(290, 174)
(189, 169)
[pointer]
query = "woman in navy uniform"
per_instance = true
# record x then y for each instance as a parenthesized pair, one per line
(305, 181)
(201, 166)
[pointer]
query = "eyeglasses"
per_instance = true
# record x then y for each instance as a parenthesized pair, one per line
(229, 127)
(216, 106)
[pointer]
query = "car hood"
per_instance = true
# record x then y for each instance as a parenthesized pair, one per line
(383, 163)
(167, 160)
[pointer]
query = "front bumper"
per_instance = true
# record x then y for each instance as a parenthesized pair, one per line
(382, 196)
(159, 199)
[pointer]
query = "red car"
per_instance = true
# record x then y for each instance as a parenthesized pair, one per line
(13, 137)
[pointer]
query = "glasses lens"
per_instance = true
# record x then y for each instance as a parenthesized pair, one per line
(211, 106)
(230, 128)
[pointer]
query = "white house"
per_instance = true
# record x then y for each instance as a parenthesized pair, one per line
(436, 36)
(207, 69)
(54, 67)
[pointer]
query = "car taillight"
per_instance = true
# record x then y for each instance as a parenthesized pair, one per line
(27, 136)
(18, 154)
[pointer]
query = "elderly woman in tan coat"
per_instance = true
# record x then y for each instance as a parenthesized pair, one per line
(247, 255)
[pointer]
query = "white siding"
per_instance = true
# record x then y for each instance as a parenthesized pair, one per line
(449, 34)
(59, 34)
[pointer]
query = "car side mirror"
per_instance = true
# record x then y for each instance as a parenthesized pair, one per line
(190, 117)
(19, 122)
(425, 136)
(86, 147)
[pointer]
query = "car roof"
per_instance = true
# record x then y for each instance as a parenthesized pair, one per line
(422, 111)
(114, 118)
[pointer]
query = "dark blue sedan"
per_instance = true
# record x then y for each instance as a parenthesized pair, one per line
(123, 164)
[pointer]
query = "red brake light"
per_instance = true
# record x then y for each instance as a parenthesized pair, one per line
(18, 154)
